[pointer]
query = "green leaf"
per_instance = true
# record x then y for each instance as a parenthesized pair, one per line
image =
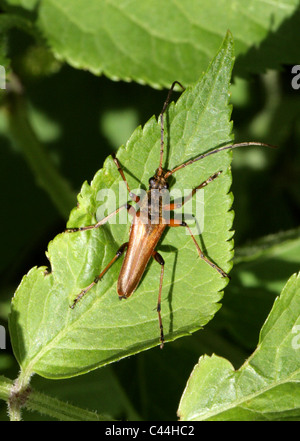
(266, 246)
(155, 42)
(26, 4)
(55, 341)
(259, 275)
(266, 387)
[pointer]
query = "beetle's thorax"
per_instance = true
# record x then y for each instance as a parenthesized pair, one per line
(150, 207)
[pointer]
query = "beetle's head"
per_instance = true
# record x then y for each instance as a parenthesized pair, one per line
(158, 181)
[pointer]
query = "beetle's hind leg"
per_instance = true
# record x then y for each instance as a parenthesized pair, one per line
(161, 261)
(178, 223)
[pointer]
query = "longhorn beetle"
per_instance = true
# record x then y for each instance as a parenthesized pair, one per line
(149, 224)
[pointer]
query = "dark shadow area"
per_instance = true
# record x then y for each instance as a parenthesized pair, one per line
(278, 48)
(246, 306)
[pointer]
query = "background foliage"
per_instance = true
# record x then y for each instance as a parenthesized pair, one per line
(71, 118)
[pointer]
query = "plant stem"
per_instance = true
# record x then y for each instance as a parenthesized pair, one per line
(5, 387)
(18, 394)
(60, 410)
(45, 171)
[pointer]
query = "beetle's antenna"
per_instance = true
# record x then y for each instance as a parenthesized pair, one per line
(166, 103)
(220, 149)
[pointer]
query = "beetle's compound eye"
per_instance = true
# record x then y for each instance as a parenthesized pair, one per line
(152, 181)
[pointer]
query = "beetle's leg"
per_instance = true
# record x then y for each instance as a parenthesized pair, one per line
(161, 261)
(178, 223)
(133, 196)
(103, 221)
(179, 203)
(97, 278)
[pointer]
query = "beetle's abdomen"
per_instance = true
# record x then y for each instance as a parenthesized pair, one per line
(142, 242)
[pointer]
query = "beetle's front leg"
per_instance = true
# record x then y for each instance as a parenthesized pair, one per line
(179, 203)
(103, 221)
